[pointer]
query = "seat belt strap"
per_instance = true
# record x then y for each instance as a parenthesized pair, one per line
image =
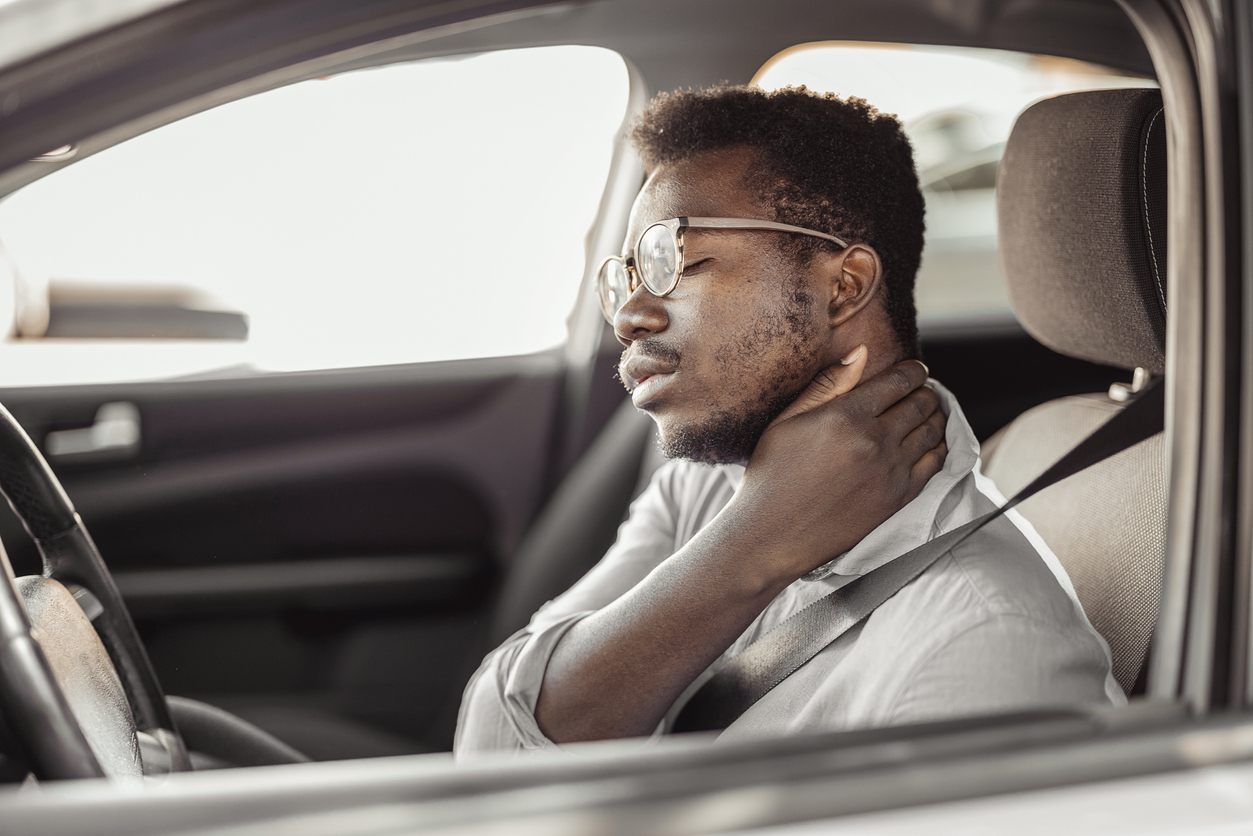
(780, 652)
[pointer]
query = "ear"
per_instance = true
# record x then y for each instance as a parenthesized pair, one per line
(856, 276)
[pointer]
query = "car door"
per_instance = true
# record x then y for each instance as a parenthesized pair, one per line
(302, 363)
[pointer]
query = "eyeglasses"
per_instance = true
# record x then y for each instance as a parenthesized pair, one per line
(657, 260)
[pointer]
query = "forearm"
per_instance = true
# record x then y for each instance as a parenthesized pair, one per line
(617, 672)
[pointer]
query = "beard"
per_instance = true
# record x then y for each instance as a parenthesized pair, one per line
(728, 435)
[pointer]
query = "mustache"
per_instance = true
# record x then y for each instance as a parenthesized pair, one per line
(653, 349)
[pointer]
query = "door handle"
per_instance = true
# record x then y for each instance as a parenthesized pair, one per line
(114, 434)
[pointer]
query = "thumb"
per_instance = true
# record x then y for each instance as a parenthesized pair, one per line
(830, 383)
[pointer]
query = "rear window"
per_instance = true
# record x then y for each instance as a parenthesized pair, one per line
(957, 105)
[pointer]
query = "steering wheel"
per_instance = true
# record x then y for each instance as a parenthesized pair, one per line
(70, 628)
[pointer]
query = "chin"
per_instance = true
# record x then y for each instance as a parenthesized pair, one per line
(721, 436)
(718, 439)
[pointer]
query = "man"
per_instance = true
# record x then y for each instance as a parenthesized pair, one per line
(746, 342)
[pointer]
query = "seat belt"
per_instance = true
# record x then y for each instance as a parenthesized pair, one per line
(779, 653)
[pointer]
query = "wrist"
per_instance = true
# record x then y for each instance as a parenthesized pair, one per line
(789, 539)
(759, 546)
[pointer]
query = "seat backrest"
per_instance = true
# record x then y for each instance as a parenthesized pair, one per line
(1081, 197)
(1106, 524)
(580, 521)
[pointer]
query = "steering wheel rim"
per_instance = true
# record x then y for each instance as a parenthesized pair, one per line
(45, 727)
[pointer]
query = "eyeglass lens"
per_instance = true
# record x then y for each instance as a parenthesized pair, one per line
(656, 264)
(614, 287)
(657, 259)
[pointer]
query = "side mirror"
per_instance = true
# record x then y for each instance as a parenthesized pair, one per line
(99, 311)
(31, 308)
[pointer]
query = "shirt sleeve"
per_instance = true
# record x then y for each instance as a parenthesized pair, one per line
(1006, 662)
(498, 708)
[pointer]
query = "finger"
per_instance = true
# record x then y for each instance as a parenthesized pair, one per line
(925, 437)
(931, 463)
(831, 382)
(883, 390)
(910, 412)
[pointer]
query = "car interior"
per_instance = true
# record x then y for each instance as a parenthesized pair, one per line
(1106, 524)
(316, 560)
(238, 532)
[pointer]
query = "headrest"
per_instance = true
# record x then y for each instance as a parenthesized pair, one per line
(1081, 203)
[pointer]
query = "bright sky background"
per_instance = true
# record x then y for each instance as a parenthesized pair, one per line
(415, 212)
(958, 105)
(912, 82)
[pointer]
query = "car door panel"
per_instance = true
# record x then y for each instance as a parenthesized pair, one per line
(325, 538)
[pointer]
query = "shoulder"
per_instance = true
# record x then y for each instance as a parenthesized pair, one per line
(1009, 576)
(995, 571)
(989, 626)
(995, 574)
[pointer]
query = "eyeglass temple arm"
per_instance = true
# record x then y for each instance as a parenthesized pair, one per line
(743, 223)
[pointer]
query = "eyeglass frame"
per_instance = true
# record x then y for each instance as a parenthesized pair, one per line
(676, 226)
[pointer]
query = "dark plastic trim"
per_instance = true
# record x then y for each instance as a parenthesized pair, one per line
(318, 584)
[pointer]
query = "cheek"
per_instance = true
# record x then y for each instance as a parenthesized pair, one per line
(726, 305)
(749, 332)
(773, 349)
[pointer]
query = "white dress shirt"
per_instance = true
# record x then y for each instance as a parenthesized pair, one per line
(992, 626)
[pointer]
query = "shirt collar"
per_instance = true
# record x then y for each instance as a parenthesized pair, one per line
(914, 524)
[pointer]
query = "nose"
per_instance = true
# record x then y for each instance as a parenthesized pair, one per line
(642, 315)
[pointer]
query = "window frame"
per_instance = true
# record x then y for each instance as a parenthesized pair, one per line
(1206, 427)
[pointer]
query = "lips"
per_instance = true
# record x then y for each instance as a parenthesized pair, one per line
(637, 370)
(645, 376)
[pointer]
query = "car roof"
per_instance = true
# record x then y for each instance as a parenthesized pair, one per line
(690, 42)
(29, 27)
(230, 50)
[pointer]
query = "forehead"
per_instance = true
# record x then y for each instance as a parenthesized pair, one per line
(711, 185)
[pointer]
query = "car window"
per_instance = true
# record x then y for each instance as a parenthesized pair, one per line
(424, 211)
(957, 105)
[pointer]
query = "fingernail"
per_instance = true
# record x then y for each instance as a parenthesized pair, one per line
(925, 368)
(852, 355)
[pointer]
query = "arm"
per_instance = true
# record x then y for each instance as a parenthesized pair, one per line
(498, 708)
(616, 672)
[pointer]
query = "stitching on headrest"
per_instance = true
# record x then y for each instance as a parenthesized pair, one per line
(1144, 190)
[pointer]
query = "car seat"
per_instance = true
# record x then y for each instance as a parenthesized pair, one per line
(580, 521)
(1081, 197)
(1081, 203)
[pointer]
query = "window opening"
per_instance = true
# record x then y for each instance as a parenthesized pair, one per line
(957, 105)
(425, 211)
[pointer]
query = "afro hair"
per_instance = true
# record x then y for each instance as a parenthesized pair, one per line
(829, 164)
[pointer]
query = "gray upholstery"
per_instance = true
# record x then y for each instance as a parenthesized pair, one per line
(1081, 197)
(579, 523)
(1106, 524)
(1081, 205)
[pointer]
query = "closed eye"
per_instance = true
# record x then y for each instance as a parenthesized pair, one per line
(695, 265)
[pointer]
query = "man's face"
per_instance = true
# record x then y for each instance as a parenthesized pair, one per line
(743, 333)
